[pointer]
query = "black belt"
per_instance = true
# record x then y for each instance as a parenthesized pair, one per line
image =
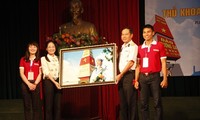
(31, 81)
(57, 80)
(131, 71)
(150, 73)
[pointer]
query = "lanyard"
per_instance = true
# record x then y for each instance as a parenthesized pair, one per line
(31, 64)
(147, 50)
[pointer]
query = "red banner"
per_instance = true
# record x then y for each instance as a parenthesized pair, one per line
(170, 47)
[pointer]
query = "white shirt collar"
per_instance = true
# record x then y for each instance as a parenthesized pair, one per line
(127, 44)
(154, 42)
(51, 57)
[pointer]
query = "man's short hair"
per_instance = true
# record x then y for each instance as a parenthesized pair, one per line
(130, 29)
(99, 59)
(149, 26)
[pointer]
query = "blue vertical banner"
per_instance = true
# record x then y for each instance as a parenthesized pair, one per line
(177, 25)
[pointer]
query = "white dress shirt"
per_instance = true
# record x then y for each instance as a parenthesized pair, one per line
(128, 52)
(51, 67)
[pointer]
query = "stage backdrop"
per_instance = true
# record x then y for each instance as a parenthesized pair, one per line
(109, 17)
(177, 24)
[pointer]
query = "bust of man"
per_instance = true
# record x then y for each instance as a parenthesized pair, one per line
(77, 25)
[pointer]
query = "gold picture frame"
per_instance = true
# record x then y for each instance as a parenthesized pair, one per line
(87, 66)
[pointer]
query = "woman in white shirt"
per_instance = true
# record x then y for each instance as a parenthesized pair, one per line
(52, 89)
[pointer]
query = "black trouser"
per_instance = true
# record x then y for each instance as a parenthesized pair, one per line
(150, 83)
(51, 100)
(128, 97)
(32, 102)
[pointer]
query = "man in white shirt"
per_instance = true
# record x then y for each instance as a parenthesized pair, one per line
(127, 63)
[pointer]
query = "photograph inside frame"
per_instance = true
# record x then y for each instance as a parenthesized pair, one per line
(88, 66)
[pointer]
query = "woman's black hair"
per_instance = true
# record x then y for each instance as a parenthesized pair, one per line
(27, 53)
(56, 52)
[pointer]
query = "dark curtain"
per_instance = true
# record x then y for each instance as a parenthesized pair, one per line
(109, 17)
(19, 25)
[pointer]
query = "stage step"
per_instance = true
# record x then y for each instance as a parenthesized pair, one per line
(175, 108)
(179, 108)
(11, 109)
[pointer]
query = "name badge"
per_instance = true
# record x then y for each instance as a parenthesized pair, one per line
(30, 76)
(145, 62)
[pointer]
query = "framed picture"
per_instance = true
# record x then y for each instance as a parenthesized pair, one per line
(88, 66)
